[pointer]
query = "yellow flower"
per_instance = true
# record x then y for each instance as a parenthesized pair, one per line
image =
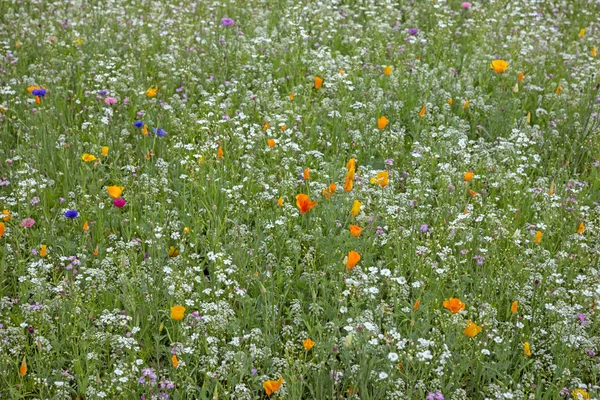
(387, 71)
(450, 101)
(552, 188)
(272, 386)
(352, 259)
(175, 361)
(266, 126)
(382, 122)
(151, 92)
(6, 215)
(318, 82)
(580, 394)
(454, 305)
(177, 313)
(145, 130)
(383, 178)
(581, 33)
(499, 66)
(468, 176)
(355, 230)
(173, 252)
(186, 230)
(114, 191)
(104, 151)
(466, 104)
(351, 164)
(308, 344)
(558, 89)
(526, 349)
(43, 251)
(472, 329)
(88, 157)
(355, 208)
(594, 52)
(514, 307)
(538, 237)
(280, 201)
(581, 228)
(291, 96)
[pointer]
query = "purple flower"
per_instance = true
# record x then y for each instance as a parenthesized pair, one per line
(40, 92)
(413, 31)
(110, 100)
(466, 5)
(435, 396)
(581, 318)
(71, 214)
(27, 222)
(227, 22)
(120, 202)
(159, 132)
(102, 92)
(148, 376)
(424, 228)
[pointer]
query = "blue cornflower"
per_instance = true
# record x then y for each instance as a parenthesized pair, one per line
(159, 132)
(71, 214)
(138, 124)
(40, 92)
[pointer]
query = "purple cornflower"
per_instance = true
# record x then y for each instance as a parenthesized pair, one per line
(413, 31)
(424, 228)
(435, 396)
(227, 22)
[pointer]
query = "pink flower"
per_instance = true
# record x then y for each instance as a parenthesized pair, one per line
(120, 202)
(466, 5)
(27, 222)
(110, 100)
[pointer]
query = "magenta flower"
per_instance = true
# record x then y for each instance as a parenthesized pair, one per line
(227, 22)
(110, 100)
(27, 222)
(466, 5)
(120, 202)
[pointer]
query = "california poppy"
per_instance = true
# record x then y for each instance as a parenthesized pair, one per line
(115, 191)
(318, 82)
(450, 101)
(382, 122)
(5, 215)
(521, 76)
(472, 329)
(151, 92)
(43, 251)
(538, 237)
(526, 349)
(291, 96)
(468, 176)
(581, 228)
(581, 33)
(280, 201)
(173, 252)
(355, 230)
(417, 304)
(387, 71)
(177, 313)
(85, 226)
(304, 204)
(454, 305)
(271, 142)
(422, 112)
(348, 184)
(514, 307)
(272, 386)
(594, 52)
(466, 104)
(382, 178)
(88, 157)
(2, 228)
(104, 151)
(306, 174)
(558, 89)
(23, 368)
(308, 344)
(329, 191)
(174, 361)
(355, 208)
(352, 259)
(220, 152)
(266, 126)
(499, 66)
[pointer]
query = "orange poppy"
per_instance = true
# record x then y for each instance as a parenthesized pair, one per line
(272, 386)
(304, 204)
(355, 230)
(352, 259)
(454, 305)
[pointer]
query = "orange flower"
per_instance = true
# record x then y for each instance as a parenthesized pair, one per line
(538, 237)
(472, 193)
(266, 126)
(382, 122)
(329, 191)
(104, 151)
(387, 71)
(306, 174)
(558, 89)
(526, 349)
(450, 101)
(581, 229)
(466, 104)
(6, 215)
(23, 368)
(175, 361)
(283, 127)
(145, 130)
(280, 201)
(499, 66)
(272, 386)
(86, 226)
(318, 82)
(220, 152)
(417, 304)
(304, 204)
(151, 92)
(382, 178)
(454, 305)
(2, 228)
(355, 208)
(43, 251)
(348, 184)
(581, 33)
(173, 252)
(469, 176)
(271, 142)
(291, 97)
(115, 191)
(308, 344)
(514, 307)
(520, 77)
(177, 313)
(423, 109)
(351, 164)
(96, 251)
(472, 329)
(37, 100)
(352, 259)
(355, 230)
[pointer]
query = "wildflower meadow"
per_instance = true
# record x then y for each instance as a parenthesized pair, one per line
(277, 199)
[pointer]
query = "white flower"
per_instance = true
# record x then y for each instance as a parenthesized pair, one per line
(393, 357)
(383, 375)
